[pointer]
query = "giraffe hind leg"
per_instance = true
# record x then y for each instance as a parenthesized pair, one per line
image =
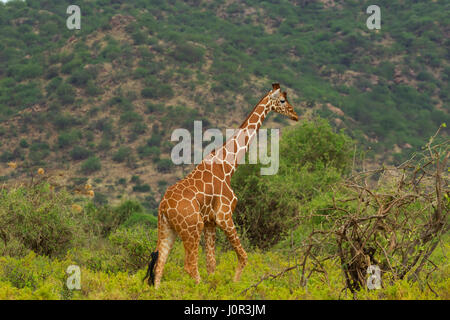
(191, 239)
(191, 256)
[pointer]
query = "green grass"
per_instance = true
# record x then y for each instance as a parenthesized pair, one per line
(38, 277)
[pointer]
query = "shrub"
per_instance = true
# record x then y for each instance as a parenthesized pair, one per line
(74, 64)
(64, 121)
(141, 188)
(27, 71)
(38, 219)
(137, 244)
(152, 108)
(7, 156)
(164, 165)
(105, 144)
(66, 93)
(135, 179)
(122, 154)
(130, 116)
(100, 199)
(104, 125)
(155, 140)
(314, 143)
(80, 77)
(138, 128)
(53, 85)
(80, 153)
(109, 219)
(91, 165)
(146, 151)
(312, 157)
(111, 52)
(141, 219)
(92, 89)
(157, 91)
(39, 151)
(66, 139)
(185, 52)
(23, 143)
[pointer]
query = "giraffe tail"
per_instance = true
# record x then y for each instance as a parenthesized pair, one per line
(151, 268)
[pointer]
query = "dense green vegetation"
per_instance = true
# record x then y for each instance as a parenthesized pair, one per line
(391, 84)
(312, 158)
(44, 229)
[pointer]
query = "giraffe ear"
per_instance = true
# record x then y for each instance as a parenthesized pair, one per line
(275, 86)
(276, 94)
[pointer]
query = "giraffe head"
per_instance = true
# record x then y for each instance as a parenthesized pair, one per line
(278, 102)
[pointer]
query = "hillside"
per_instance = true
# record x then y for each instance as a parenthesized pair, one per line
(99, 104)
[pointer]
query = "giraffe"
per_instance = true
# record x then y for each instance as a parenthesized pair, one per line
(204, 200)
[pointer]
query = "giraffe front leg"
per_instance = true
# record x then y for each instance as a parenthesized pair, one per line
(210, 239)
(227, 225)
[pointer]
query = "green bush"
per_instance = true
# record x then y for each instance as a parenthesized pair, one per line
(164, 165)
(39, 151)
(70, 138)
(149, 152)
(109, 219)
(312, 157)
(138, 128)
(66, 93)
(80, 153)
(92, 89)
(142, 219)
(158, 92)
(137, 244)
(37, 219)
(64, 121)
(92, 164)
(72, 65)
(23, 143)
(141, 188)
(26, 71)
(185, 52)
(80, 78)
(122, 154)
(129, 117)
(316, 144)
(7, 156)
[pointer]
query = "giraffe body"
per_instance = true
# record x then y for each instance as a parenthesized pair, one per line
(204, 199)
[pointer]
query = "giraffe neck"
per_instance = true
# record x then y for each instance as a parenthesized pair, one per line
(235, 148)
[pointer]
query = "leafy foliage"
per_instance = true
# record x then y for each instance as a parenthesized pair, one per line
(312, 157)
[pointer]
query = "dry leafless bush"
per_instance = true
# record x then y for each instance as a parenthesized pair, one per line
(393, 218)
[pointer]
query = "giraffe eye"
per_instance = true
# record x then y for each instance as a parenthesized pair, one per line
(282, 101)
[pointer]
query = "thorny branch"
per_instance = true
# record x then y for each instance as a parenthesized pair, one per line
(390, 217)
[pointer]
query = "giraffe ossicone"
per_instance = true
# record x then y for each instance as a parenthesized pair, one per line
(204, 200)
